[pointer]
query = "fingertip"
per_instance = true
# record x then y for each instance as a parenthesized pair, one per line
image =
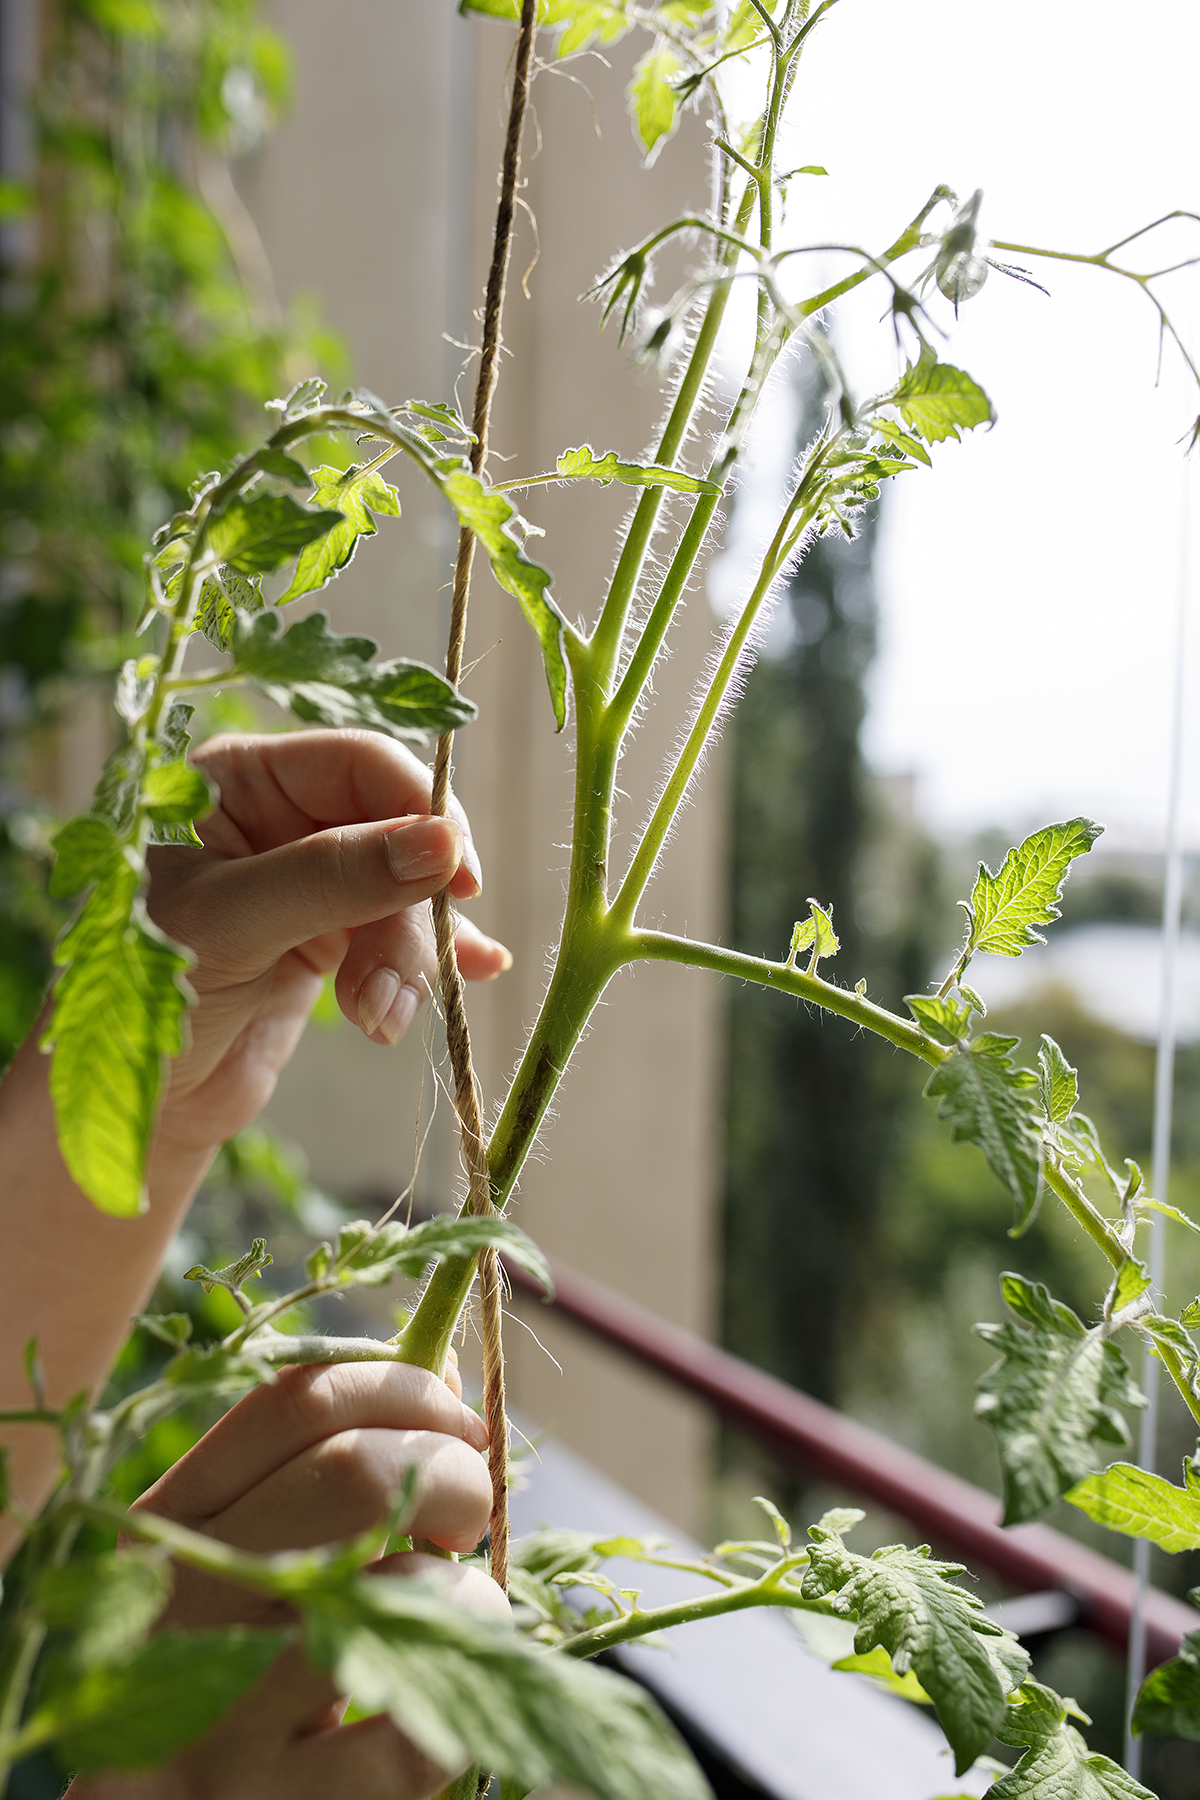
(475, 1432)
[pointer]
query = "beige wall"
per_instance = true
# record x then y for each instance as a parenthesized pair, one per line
(366, 199)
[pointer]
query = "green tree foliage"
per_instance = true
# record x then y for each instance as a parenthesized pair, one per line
(137, 347)
(812, 1105)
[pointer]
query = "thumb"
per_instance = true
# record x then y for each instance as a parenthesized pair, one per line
(241, 915)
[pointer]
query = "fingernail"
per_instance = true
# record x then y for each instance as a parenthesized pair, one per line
(471, 859)
(474, 1429)
(423, 848)
(375, 998)
(399, 1015)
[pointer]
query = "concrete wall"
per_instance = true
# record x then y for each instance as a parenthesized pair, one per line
(377, 197)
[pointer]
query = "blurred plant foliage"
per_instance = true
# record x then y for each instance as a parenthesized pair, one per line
(141, 334)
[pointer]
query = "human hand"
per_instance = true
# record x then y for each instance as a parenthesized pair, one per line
(319, 856)
(314, 1458)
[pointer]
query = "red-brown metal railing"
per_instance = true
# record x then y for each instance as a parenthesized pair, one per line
(958, 1516)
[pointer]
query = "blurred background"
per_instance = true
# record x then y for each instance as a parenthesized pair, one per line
(202, 202)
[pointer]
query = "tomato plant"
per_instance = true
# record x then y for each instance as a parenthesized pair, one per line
(527, 1706)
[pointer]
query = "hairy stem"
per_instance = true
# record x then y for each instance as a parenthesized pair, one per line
(631, 1626)
(660, 946)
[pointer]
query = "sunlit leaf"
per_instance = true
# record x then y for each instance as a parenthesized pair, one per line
(1058, 1087)
(175, 791)
(489, 515)
(938, 401)
(355, 493)
(584, 465)
(1141, 1505)
(84, 847)
(653, 103)
(222, 596)
(941, 1017)
(256, 536)
(118, 1014)
(1026, 888)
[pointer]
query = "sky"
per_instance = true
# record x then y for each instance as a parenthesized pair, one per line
(1029, 584)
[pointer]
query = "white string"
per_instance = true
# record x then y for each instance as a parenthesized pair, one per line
(1164, 1088)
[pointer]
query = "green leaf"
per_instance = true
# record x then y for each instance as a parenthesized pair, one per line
(135, 687)
(331, 680)
(584, 465)
(301, 399)
(939, 1016)
(119, 787)
(84, 848)
(938, 401)
(653, 102)
(878, 1665)
(118, 1014)
(989, 1103)
(284, 467)
(1052, 1398)
(911, 446)
(174, 792)
(1132, 1280)
(1141, 1505)
(489, 515)
(222, 596)
(1058, 1088)
(465, 1688)
(580, 21)
(135, 1714)
(249, 1265)
(905, 1602)
(1189, 1318)
(109, 1603)
(256, 536)
(356, 493)
(1057, 1764)
(1169, 1702)
(1023, 893)
(172, 1329)
(815, 933)
(375, 1254)
(1168, 1212)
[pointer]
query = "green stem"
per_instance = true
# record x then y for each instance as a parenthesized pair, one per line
(642, 866)
(661, 947)
(686, 1612)
(1085, 1214)
(207, 678)
(610, 629)
(589, 955)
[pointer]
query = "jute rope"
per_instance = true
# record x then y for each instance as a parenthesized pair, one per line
(458, 1037)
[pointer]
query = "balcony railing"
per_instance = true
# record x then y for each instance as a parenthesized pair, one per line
(1064, 1582)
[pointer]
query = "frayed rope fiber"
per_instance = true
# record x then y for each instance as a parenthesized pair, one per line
(458, 1037)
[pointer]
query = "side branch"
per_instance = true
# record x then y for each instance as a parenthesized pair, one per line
(631, 1626)
(660, 946)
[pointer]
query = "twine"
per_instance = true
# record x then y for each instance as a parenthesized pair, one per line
(458, 1037)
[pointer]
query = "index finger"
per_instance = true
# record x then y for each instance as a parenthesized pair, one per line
(277, 787)
(298, 1410)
